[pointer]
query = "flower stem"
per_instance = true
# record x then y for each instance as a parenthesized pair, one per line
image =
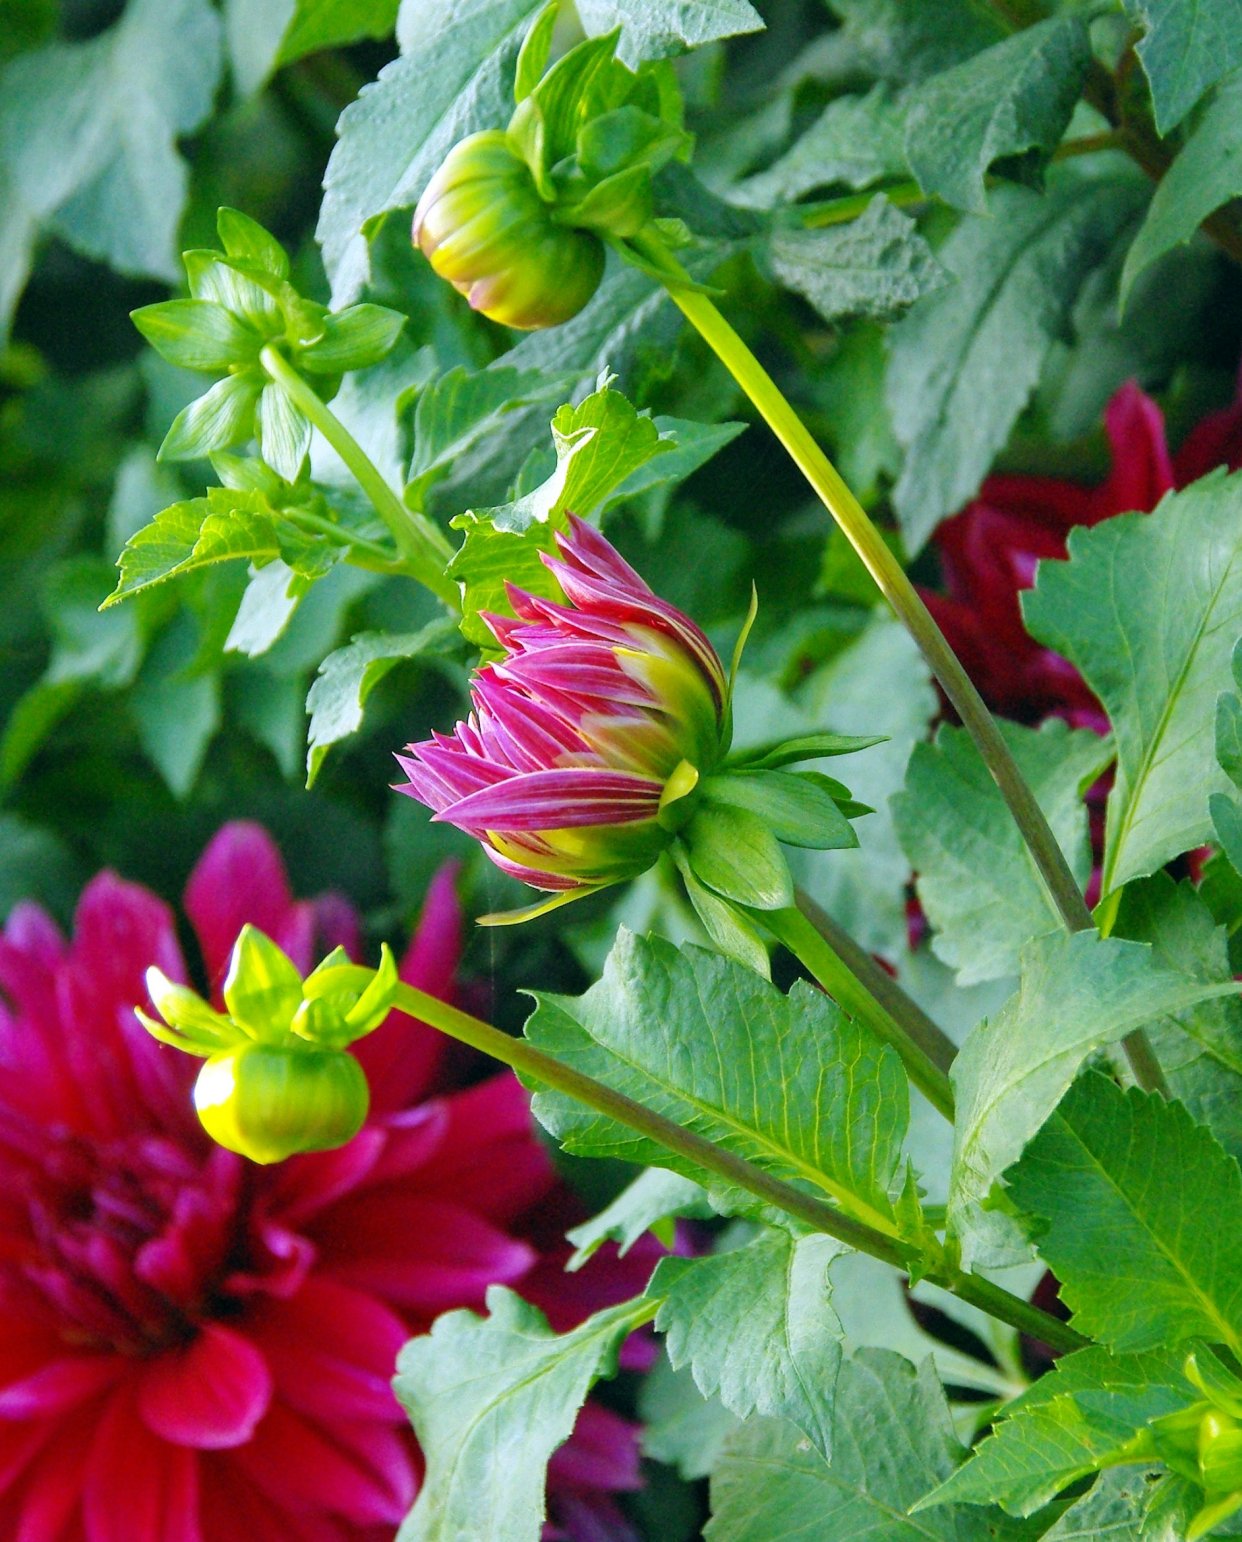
(533, 1063)
(792, 928)
(425, 547)
(894, 584)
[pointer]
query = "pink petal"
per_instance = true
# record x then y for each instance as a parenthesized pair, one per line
(211, 1395)
(602, 1453)
(239, 878)
(138, 1488)
(558, 800)
(57, 1387)
(1142, 471)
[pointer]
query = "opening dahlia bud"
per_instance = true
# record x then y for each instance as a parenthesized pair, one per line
(588, 735)
(484, 227)
(270, 1103)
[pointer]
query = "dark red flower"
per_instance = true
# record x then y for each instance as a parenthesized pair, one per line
(196, 1349)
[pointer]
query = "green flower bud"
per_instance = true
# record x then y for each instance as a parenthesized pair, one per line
(268, 1102)
(483, 226)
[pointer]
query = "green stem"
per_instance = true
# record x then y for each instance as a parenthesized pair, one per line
(425, 547)
(792, 928)
(927, 1034)
(381, 558)
(533, 1063)
(894, 584)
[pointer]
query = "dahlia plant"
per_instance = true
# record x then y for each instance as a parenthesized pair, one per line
(898, 1188)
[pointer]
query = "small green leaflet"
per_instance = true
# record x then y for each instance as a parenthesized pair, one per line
(1077, 993)
(490, 1400)
(756, 1328)
(877, 265)
(651, 1203)
(1189, 45)
(892, 1440)
(650, 29)
(1079, 1417)
(856, 141)
(1206, 174)
(1225, 808)
(786, 1081)
(1125, 1175)
(977, 883)
(1149, 607)
(1009, 104)
(965, 360)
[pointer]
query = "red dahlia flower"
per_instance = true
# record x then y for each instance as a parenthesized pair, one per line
(196, 1349)
(989, 552)
(562, 768)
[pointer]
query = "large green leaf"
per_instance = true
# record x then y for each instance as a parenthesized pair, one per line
(965, 360)
(1077, 993)
(1113, 1509)
(976, 880)
(788, 1082)
(652, 28)
(892, 1440)
(910, 40)
(265, 34)
(650, 1203)
(856, 140)
(88, 137)
(1149, 607)
(455, 76)
(491, 1399)
(1010, 103)
(1125, 1175)
(756, 1328)
(1206, 174)
(1189, 45)
(1078, 1418)
(877, 265)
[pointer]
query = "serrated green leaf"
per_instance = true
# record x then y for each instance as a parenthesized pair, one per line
(877, 265)
(1204, 176)
(1112, 1511)
(1010, 103)
(756, 1327)
(196, 334)
(856, 141)
(650, 29)
(683, 1429)
(965, 360)
(348, 676)
(455, 76)
(490, 1400)
(1077, 993)
(1125, 1175)
(976, 880)
(650, 1203)
(88, 136)
(787, 1081)
(1148, 607)
(892, 1440)
(1081, 1416)
(907, 40)
(1188, 46)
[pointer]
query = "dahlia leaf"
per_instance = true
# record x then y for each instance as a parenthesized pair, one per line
(1136, 1170)
(877, 265)
(649, 1204)
(1149, 607)
(654, 28)
(1224, 807)
(1083, 1415)
(454, 76)
(907, 40)
(965, 360)
(490, 1400)
(976, 880)
(1077, 993)
(1011, 103)
(892, 1440)
(789, 1082)
(1188, 46)
(1206, 174)
(756, 1327)
(263, 35)
(856, 141)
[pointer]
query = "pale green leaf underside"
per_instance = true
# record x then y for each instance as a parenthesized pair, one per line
(1189, 45)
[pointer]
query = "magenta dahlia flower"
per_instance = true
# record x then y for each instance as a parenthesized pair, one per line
(197, 1349)
(601, 711)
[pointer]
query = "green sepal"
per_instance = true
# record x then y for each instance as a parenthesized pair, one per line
(189, 1024)
(532, 59)
(284, 432)
(733, 852)
(213, 277)
(197, 334)
(785, 752)
(343, 1002)
(727, 927)
(355, 338)
(1218, 1383)
(222, 418)
(263, 988)
(1220, 1453)
(540, 907)
(243, 237)
(1212, 1515)
(794, 805)
(682, 782)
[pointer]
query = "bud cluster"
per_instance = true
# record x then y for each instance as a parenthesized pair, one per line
(1203, 1443)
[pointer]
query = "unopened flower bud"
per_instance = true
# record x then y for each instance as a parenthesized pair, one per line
(483, 226)
(268, 1103)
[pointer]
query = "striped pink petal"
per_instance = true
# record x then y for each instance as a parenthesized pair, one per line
(557, 800)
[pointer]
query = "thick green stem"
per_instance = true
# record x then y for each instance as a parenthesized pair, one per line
(894, 584)
(533, 1063)
(426, 548)
(811, 948)
(927, 1034)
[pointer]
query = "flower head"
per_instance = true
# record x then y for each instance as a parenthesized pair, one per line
(603, 711)
(195, 1349)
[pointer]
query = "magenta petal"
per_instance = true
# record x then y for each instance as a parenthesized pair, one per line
(56, 1388)
(208, 1396)
(602, 1453)
(239, 878)
(138, 1488)
(558, 800)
